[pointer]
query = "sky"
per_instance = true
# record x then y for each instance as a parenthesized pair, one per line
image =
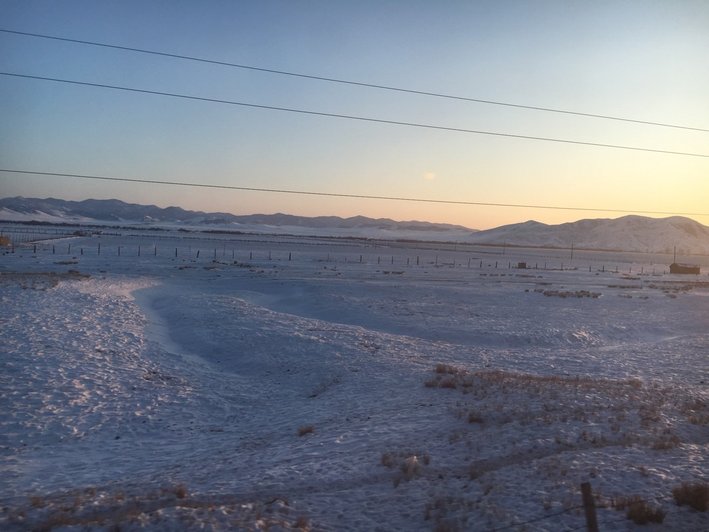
(644, 60)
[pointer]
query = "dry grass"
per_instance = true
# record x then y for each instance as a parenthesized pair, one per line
(169, 508)
(39, 280)
(667, 442)
(450, 514)
(579, 411)
(306, 429)
(302, 523)
(447, 376)
(180, 491)
(409, 465)
(641, 513)
(37, 502)
(638, 510)
(696, 410)
(567, 293)
(695, 495)
(474, 417)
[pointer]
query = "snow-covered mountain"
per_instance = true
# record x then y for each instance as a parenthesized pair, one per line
(628, 233)
(115, 211)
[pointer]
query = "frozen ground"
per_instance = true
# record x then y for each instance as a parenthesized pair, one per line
(352, 387)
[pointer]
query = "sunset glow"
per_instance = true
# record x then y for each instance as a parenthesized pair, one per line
(638, 60)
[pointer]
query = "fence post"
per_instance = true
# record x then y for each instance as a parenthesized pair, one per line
(589, 507)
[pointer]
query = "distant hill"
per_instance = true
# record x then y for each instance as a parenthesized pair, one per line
(116, 211)
(628, 233)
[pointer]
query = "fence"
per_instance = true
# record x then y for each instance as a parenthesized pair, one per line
(196, 253)
(68, 241)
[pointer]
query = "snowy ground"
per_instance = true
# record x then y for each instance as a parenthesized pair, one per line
(352, 387)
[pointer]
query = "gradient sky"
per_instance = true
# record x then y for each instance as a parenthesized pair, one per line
(638, 59)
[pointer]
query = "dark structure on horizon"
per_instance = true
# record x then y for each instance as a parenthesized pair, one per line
(675, 267)
(684, 268)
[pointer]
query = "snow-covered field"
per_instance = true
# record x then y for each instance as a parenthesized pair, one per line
(335, 384)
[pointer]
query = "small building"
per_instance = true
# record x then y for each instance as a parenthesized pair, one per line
(684, 268)
(522, 265)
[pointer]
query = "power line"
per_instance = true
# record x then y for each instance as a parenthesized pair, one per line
(349, 82)
(350, 117)
(343, 195)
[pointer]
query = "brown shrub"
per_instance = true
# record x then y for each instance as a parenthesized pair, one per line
(449, 382)
(474, 417)
(447, 368)
(302, 523)
(388, 460)
(695, 495)
(641, 513)
(306, 429)
(638, 510)
(180, 491)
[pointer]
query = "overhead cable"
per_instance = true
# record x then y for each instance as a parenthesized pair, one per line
(349, 82)
(351, 117)
(343, 195)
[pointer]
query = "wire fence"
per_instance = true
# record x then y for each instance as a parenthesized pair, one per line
(38, 244)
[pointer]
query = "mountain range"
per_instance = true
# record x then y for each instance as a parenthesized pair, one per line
(627, 233)
(118, 212)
